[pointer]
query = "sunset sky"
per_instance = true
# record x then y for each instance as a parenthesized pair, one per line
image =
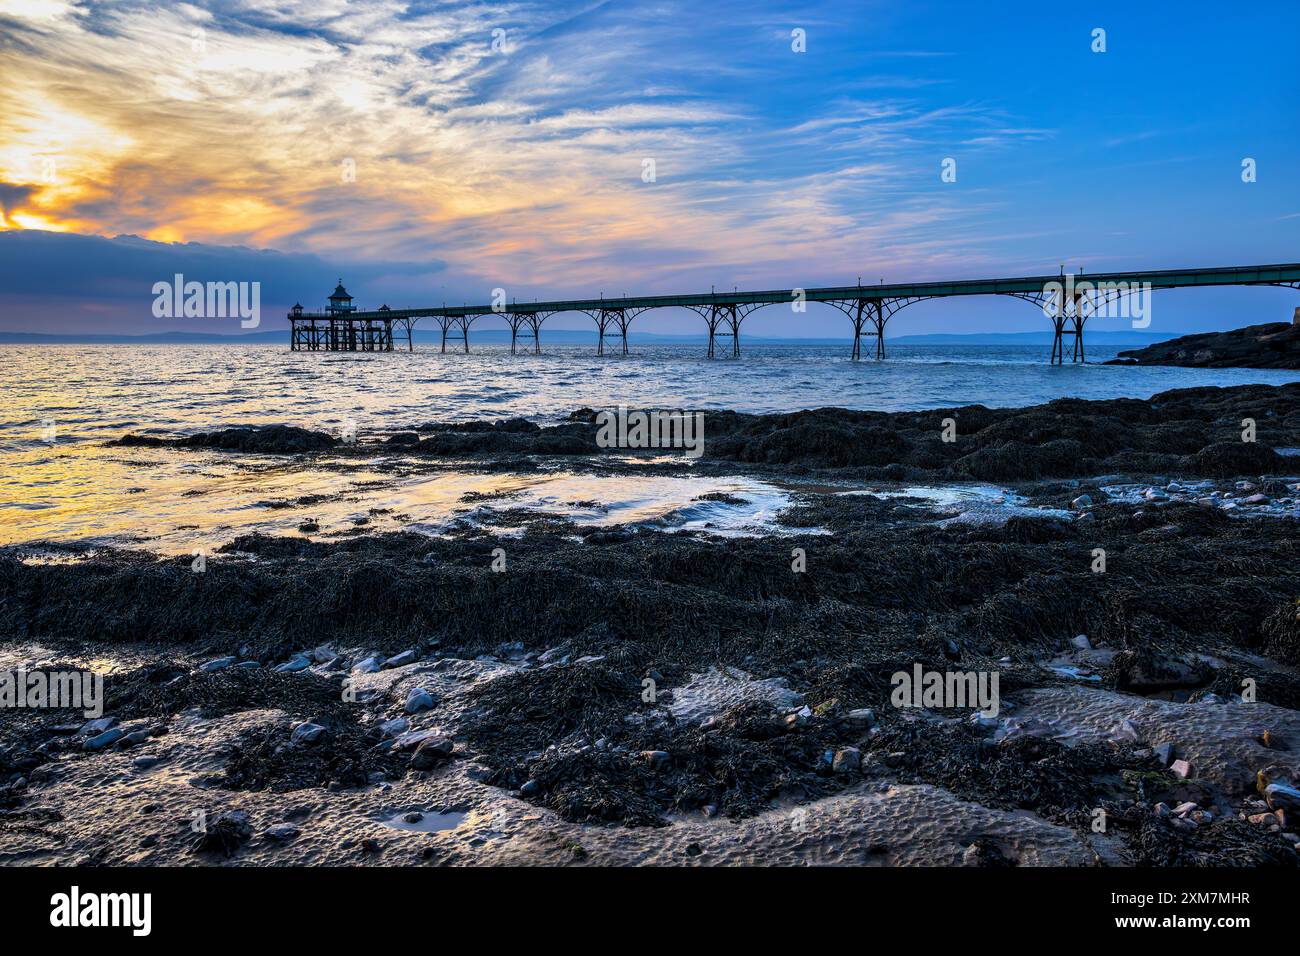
(132, 131)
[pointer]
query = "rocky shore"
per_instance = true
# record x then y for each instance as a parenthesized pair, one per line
(573, 694)
(1271, 345)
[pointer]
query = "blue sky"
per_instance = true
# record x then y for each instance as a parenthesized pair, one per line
(230, 124)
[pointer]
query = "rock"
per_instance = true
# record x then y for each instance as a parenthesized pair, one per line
(394, 728)
(1164, 753)
(133, 739)
(1181, 769)
(417, 700)
(431, 753)
(1270, 345)
(1184, 808)
(848, 760)
(294, 664)
(1081, 642)
(413, 738)
(402, 659)
(1149, 671)
(369, 666)
(531, 788)
(1161, 810)
(92, 728)
(282, 833)
(1280, 796)
(1127, 731)
(100, 741)
(226, 833)
(370, 845)
(1081, 502)
(861, 718)
(415, 816)
(657, 759)
(306, 733)
(220, 664)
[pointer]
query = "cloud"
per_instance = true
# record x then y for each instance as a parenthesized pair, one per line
(98, 284)
(377, 130)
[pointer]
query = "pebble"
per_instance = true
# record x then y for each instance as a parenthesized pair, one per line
(402, 659)
(1282, 797)
(100, 741)
(530, 788)
(220, 664)
(657, 759)
(1184, 808)
(413, 739)
(1181, 769)
(417, 700)
(307, 733)
(1127, 731)
(431, 752)
(861, 718)
(395, 727)
(1081, 642)
(848, 760)
(92, 727)
(133, 739)
(1164, 753)
(293, 665)
(415, 816)
(282, 833)
(1083, 501)
(368, 666)
(144, 763)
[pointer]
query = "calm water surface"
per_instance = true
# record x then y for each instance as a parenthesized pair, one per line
(73, 488)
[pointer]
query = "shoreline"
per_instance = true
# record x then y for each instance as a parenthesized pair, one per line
(537, 743)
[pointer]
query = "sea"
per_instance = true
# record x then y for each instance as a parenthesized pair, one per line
(60, 405)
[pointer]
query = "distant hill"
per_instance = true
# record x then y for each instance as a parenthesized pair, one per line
(1100, 337)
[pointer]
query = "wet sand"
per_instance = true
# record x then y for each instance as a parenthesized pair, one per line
(649, 691)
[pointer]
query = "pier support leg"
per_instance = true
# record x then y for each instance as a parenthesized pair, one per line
(535, 324)
(858, 319)
(1078, 339)
(623, 323)
(604, 320)
(718, 315)
(880, 329)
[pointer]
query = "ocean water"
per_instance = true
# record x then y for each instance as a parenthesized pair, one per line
(60, 404)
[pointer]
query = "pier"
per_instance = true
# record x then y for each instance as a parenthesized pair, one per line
(1068, 301)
